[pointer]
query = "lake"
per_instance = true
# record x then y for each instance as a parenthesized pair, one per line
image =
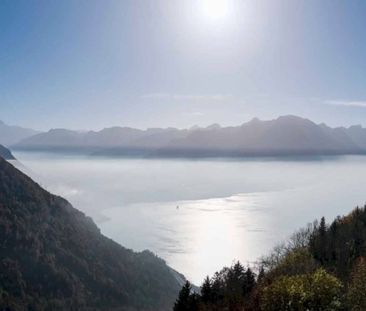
(201, 215)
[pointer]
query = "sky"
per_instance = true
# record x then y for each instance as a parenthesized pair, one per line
(90, 64)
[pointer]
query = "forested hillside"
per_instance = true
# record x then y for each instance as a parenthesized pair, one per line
(53, 257)
(321, 267)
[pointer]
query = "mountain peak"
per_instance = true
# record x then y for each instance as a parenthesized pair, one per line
(252, 121)
(291, 117)
(214, 126)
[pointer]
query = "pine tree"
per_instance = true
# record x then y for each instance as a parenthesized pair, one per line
(206, 291)
(322, 227)
(234, 286)
(323, 241)
(183, 301)
(249, 282)
(318, 242)
(238, 271)
(217, 288)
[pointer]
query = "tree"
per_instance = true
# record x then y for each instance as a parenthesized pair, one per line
(356, 297)
(184, 301)
(206, 291)
(248, 282)
(322, 227)
(319, 243)
(234, 286)
(218, 285)
(299, 261)
(318, 291)
(261, 275)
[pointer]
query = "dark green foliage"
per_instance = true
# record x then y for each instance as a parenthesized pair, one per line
(319, 243)
(249, 282)
(229, 289)
(206, 291)
(338, 246)
(187, 300)
(53, 257)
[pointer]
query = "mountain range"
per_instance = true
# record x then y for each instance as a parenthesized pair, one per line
(53, 257)
(10, 135)
(286, 135)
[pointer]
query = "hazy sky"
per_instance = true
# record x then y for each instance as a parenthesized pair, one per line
(93, 64)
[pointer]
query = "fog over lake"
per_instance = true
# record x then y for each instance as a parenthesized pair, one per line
(199, 215)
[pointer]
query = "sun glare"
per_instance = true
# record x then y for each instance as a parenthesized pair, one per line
(215, 9)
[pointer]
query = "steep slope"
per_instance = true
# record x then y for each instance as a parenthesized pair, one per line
(53, 257)
(6, 153)
(10, 135)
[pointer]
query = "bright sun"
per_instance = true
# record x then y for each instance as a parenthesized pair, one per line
(215, 9)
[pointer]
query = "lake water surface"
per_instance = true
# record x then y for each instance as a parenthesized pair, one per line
(200, 215)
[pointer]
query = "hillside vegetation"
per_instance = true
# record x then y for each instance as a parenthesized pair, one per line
(320, 268)
(53, 257)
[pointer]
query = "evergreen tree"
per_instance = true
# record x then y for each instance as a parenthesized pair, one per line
(183, 302)
(206, 291)
(249, 282)
(238, 270)
(322, 227)
(234, 286)
(217, 288)
(318, 242)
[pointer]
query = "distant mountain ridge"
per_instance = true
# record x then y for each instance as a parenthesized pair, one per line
(53, 257)
(10, 135)
(286, 135)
